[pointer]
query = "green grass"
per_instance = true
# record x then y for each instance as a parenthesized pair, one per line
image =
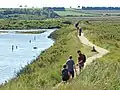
(66, 13)
(103, 12)
(44, 72)
(74, 13)
(8, 24)
(104, 73)
(31, 32)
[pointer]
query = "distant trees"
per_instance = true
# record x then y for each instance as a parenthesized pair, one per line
(55, 8)
(100, 8)
(20, 6)
(25, 6)
(17, 13)
(49, 13)
(78, 6)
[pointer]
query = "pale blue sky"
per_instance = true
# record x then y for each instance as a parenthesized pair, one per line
(58, 3)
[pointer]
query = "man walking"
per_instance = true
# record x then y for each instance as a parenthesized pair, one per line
(71, 66)
(80, 31)
(81, 59)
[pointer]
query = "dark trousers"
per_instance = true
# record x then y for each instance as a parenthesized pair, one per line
(72, 73)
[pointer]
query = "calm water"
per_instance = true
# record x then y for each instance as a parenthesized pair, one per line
(12, 61)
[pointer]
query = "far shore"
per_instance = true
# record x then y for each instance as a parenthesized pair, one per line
(31, 31)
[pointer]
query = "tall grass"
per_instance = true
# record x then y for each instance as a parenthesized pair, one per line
(104, 73)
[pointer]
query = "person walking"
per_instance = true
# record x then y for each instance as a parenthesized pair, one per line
(80, 31)
(71, 66)
(65, 73)
(77, 25)
(81, 60)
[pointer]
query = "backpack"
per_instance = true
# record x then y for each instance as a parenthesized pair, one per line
(84, 58)
(65, 73)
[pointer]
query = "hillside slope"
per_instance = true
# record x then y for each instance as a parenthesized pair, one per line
(103, 73)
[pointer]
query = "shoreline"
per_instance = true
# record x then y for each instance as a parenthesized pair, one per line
(52, 27)
(24, 31)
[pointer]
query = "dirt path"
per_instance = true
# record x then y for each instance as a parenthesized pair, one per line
(101, 52)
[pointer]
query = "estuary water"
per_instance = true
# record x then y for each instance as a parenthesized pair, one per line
(17, 50)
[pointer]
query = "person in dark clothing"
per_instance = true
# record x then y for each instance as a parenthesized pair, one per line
(16, 47)
(81, 59)
(65, 73)
(93, 49)
(80, 31)
(12, 48)
(76, 25)
(71, 66)
(30, 41)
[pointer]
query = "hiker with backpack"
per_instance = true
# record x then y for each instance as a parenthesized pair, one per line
(81, 60)
(65, 73)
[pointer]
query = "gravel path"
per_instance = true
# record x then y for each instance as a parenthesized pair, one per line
(101, 51)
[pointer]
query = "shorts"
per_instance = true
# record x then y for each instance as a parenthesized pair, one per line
(81, 65)
(72, 73)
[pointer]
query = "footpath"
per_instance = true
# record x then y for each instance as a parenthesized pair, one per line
(101, 52)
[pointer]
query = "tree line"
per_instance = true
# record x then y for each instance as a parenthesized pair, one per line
(27, 13)
(100, 8)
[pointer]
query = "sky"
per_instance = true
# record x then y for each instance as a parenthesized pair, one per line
(58, 3)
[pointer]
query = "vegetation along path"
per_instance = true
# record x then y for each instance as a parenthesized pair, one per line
(101, 52)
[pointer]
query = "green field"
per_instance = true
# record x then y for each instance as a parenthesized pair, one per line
(102, 12)
(104, 73)
(88, 13)
(75, 13)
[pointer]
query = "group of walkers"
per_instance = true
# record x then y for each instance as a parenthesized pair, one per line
(79, 29)
(70, 68)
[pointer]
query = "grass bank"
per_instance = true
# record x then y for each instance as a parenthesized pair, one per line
(26, 32)
(44, 72)
(104, 73)
(31, 32)
(8, 24)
